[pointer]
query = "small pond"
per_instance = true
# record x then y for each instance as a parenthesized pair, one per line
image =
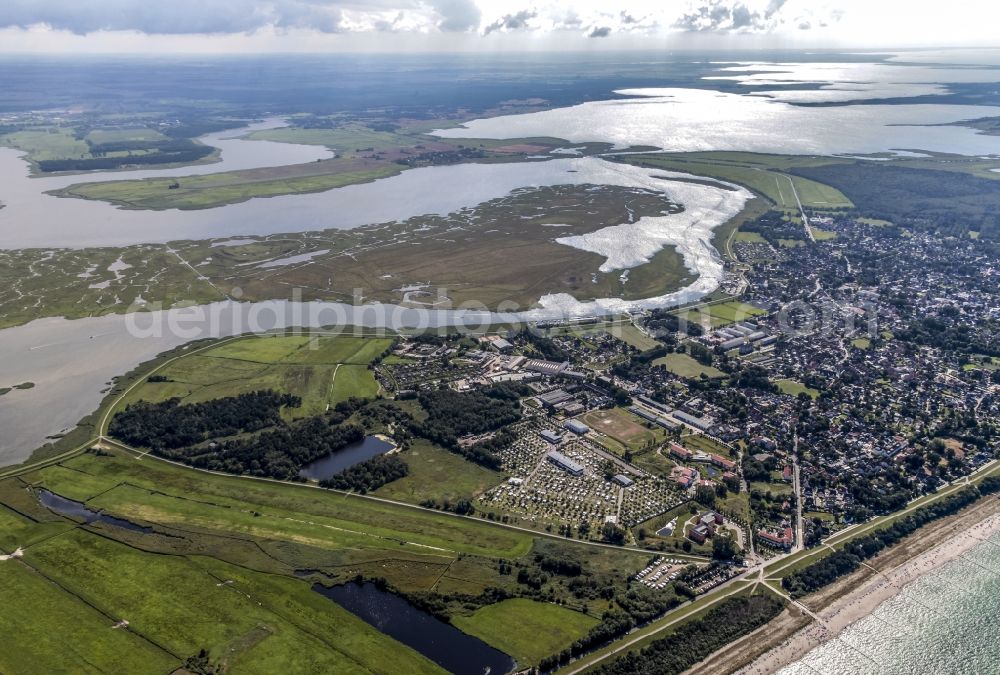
(440, 642)
(345, 458)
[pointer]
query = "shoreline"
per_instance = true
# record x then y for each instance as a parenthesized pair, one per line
(792, 634)
(847, 608)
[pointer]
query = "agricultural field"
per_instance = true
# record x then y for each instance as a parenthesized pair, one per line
(322, 370)
(119, 610)
(683, 365)
(526, 629)
(346, 139)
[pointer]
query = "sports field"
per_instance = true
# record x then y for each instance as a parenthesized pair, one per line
(622, 426)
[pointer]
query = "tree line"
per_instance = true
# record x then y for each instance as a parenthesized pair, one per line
(843, 562)
(695, 640)
(173, 152)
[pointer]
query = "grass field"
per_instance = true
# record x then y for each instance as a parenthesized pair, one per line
(781, 488)
(758, 172)
(232, 187)
(701, 443)
(64, 632)
(719, 314)
(683, 365)
(321, 370)
(436, 473)
(749, 237)
(629, 334)
(49, 143)
(282, 621)
(526, 629)
(793, 388)
(822, 235)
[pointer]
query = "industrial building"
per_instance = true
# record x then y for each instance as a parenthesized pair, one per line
(578, 428)
(550, 436)
(700, 423)
(564, 463)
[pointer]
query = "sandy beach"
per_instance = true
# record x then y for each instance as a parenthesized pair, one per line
(880, 586)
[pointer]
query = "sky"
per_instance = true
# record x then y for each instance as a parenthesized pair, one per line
(258, 26)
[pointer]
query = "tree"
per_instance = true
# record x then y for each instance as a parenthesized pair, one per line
(613, 534)
(724, 548)
(705, 495)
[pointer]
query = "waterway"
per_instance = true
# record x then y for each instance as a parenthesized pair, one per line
(74, 509)
(440, 642)
(343, 459)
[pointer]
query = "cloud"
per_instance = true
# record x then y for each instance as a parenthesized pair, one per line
(730, 15)
(171, 18)
(457, 15)
(603, 31)
(508, 22)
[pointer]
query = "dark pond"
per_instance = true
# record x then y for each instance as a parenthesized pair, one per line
(345, 458)
(440, 642)
(68, 507)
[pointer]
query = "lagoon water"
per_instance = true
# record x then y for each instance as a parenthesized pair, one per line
(687, 120)
(943, 623)
(70, 362)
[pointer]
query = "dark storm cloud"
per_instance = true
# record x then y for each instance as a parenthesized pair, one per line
(191, 16)
(512, 21)
(457, 15)
(603, 31)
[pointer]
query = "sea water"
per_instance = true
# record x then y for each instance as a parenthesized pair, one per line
(945, 622)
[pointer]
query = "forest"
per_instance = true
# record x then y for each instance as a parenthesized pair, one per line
(168, 424)
(277, 453)
(369, 475)
(949, 201)
(451, 415)
(191, 433)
